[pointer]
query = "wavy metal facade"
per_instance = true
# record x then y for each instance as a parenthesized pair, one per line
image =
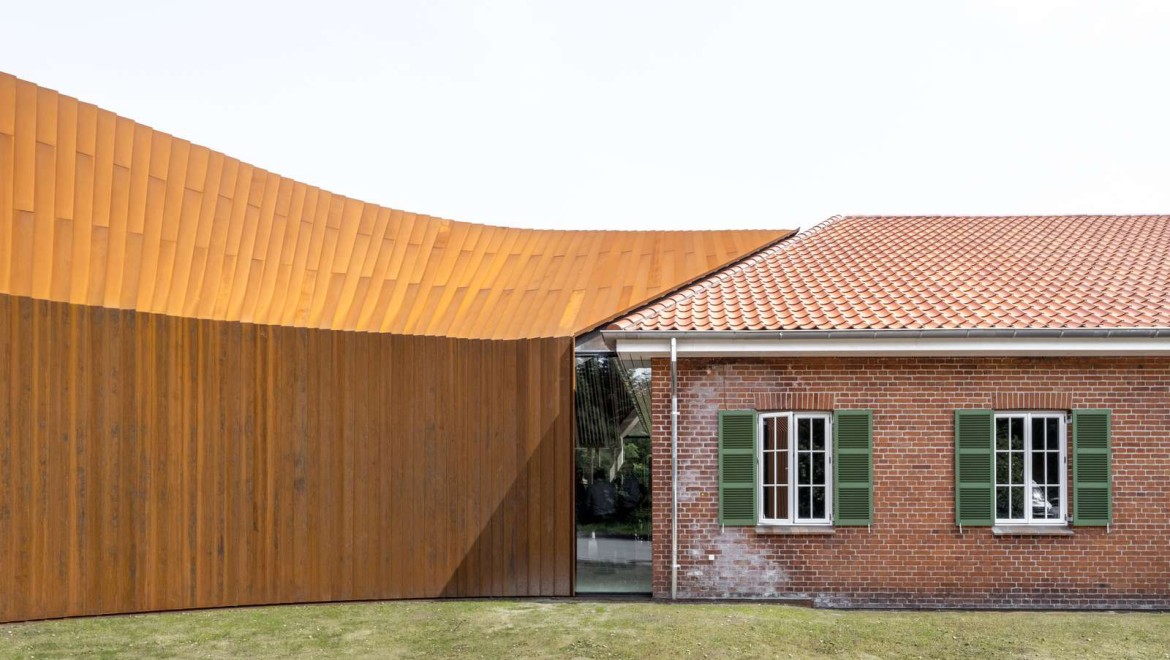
(96, 209)
(189, 419)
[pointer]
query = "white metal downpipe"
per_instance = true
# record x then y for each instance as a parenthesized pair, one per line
(673, 468)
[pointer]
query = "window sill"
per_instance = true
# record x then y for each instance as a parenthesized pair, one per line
(795, 529)
(1031, 530)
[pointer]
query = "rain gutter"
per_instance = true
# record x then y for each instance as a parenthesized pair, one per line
(940, 333)
(941, 342)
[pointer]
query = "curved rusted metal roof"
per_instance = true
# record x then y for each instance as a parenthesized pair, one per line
(99, 210)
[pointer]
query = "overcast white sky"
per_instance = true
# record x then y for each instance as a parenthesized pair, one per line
(632, 114)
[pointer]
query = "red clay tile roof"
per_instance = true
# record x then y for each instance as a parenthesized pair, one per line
(937, 272)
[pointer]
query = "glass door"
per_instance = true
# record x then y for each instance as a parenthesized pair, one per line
(613, 476)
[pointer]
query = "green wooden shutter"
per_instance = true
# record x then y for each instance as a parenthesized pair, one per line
(1092, 458)
(853, 467)
(974, 473)
(737, 467)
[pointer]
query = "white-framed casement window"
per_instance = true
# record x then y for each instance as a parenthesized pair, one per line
(796, 468)
(1030, 468)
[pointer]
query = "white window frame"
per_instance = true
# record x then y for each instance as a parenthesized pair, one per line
(793, 417)
(1028, 416)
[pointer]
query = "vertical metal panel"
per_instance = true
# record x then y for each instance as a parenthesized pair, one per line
(155, 463)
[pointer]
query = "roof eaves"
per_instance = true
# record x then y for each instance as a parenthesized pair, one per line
(895, 333)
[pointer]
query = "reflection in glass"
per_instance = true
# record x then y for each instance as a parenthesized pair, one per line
(818, 477)
(613, 475)
(1028, 469)
(802, 496)
(1017, 502)
(818, 434)
(818, 502)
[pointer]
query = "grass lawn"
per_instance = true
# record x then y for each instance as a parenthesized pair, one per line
(518, 629)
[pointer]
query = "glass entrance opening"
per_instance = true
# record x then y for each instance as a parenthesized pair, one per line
(613, 475)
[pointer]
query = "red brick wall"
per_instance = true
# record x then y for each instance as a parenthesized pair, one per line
(914, 555)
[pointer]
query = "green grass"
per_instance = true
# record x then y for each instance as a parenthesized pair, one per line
(520, 629)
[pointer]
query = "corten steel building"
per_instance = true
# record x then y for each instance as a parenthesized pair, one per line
(219, 386)
(918, 412)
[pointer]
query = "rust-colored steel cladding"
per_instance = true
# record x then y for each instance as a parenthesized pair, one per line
(97, 209)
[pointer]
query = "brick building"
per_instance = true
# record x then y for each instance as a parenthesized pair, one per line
(919, 412)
